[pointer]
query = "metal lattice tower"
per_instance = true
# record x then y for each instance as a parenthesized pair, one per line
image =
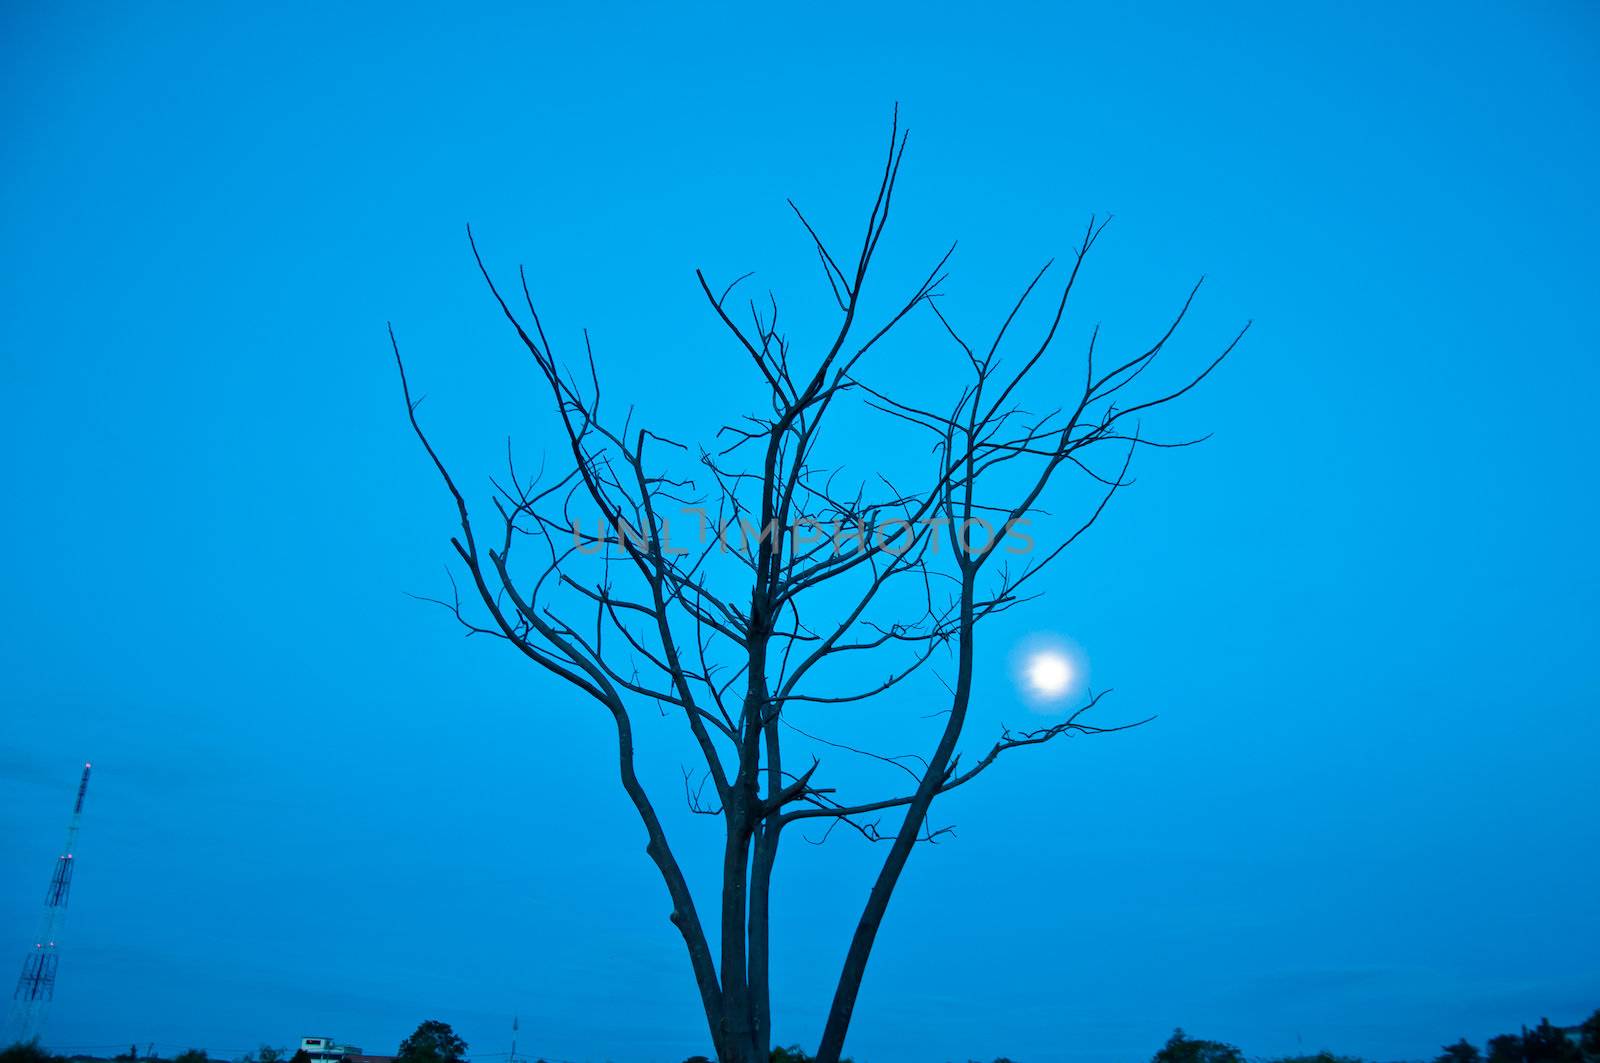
(37, 983)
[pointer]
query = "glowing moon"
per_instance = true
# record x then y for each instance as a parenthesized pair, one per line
(1049, 673)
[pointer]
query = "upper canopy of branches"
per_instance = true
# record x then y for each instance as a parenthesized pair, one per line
(790, 569)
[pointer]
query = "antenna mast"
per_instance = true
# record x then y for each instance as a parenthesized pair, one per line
(37, 983)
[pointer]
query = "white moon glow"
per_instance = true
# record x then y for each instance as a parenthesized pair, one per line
(1049, 673)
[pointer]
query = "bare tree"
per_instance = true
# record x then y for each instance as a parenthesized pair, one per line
(734, 635)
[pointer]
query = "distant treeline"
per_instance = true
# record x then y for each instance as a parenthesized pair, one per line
(435, 1042)
(1543, 1043)
(432, 1042)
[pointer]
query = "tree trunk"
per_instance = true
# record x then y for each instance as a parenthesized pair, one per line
(855, 963)
(766, 853)
(737, 1024)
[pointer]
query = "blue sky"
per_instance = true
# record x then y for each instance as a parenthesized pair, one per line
(1364, 611)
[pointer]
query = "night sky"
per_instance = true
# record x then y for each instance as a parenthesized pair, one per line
(1364, 612)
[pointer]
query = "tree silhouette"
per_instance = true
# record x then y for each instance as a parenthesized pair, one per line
(1506, 1048)
(1589, 1036)
(1181, 1048)
(1548, 1044)
(740, 636)
(432, 1042)
(1460, 1052)
(29, 1051)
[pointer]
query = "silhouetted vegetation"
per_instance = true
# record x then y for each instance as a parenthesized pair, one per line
(792, 1054)
(1181, 1048)
(1460, 1052)
(433, 1042)
(713, 618)
(1538, 1044)
(1543, 1043)
(25, 1052)
(436, 1042)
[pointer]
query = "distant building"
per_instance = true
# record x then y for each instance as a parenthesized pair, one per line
(327, 1050)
